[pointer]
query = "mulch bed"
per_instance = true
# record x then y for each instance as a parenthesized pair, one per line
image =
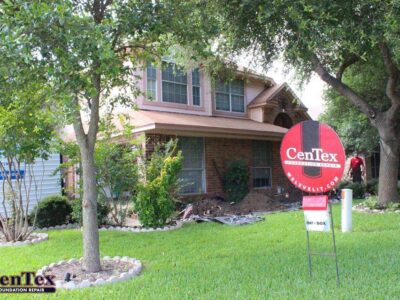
(78, 274)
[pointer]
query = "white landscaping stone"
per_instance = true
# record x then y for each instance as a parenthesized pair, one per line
(134, 270)
(61, 262)
(113, 279)
(59, 283)
(99, 281)
(70, 285)
(85, 283)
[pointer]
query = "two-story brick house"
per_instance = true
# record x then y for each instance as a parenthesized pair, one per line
(217, 121)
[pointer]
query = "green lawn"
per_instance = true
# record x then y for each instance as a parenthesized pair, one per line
(266, 260)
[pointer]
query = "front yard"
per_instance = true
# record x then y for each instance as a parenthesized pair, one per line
(212, 261)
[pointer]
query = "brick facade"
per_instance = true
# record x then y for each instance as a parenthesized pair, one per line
(220, 150)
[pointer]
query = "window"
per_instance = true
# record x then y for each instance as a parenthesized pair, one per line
(262, 161)
(196, 87)
(174, 84)
(151, 92)
(229, 96)
(192, 174)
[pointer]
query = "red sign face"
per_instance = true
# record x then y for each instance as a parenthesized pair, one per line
(312, 157)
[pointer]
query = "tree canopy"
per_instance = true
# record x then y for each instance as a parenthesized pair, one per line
(328, 37)
(88, 52)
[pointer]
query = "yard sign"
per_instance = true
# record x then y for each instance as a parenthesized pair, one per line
(313, 159)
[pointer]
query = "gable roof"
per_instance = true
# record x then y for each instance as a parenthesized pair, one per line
(269, 94)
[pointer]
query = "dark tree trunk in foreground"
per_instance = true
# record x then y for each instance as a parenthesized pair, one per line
(389, 164)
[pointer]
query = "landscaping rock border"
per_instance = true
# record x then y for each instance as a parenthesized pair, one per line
(58, 227)
(136, 229)
(132, 272)
(34, 238)
(364, 209)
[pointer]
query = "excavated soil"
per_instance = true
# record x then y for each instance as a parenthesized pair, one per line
(253, 202)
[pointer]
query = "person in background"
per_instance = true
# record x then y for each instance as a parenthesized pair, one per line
(357, 168)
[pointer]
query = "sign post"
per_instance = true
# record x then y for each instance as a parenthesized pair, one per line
(313, 159)
(318, 217)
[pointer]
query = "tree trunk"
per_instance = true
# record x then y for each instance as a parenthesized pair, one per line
(388, 171)
(91, 253)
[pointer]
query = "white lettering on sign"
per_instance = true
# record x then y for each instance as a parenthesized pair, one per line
(317, 220)
(316, 158)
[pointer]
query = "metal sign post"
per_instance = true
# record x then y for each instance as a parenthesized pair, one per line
(310, 253)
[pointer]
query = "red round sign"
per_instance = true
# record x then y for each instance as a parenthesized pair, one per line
(312, 157)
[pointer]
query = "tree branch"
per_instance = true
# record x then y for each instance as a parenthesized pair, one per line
(352, 59)
(78, 125)
(343, 89)
(94, 109)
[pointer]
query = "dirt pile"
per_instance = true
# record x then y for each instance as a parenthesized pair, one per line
(253, 202)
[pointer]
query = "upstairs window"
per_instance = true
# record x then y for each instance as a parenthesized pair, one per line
(151, 92)
(196, 87)
(229, 96)
(262, 162)
(174, 84)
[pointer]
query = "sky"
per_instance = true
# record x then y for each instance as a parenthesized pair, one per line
(310, 94)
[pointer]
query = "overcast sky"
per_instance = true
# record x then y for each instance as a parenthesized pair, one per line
(310, 94)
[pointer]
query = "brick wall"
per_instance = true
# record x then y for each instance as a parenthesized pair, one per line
(217, 152)
(220, 150)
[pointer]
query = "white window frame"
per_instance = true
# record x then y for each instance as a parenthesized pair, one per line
(230, 99)
(199, 86)
(147, 86)
(187, 86)
(203, 169)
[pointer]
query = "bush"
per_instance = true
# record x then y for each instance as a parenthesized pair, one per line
(371, 202)
(235, 180)
(372, 187)
(155, 201)
(102, 211)
(52, 211)
(358, 188)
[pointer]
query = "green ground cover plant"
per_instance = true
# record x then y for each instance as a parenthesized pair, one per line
(266, 260)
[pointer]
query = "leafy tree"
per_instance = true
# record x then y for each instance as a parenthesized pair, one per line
(328, 37)
(353, 127)
(90, 50)
(26, 136)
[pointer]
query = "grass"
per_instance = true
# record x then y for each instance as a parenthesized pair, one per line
(266, 260)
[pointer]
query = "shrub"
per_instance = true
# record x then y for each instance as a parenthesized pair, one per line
(235, 180)
(371, 202)
(358, 188)
(52, 211)
(102, 211)
(372, 187)
(155, 201)
(117, 177)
